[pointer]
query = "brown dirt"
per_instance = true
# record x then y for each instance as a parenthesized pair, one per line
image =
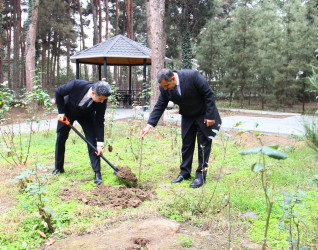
(107, 196)
(250, 139)
(18, 114)
(126, 174)
(153, 233)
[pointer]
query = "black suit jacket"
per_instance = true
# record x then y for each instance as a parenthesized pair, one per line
(69, 95)
(196, 102)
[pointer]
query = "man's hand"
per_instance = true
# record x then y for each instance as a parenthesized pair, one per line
(99, 150)
(60, 117)
(209, 123)
(144, 131)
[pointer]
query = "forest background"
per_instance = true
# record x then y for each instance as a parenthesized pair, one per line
(261, 51)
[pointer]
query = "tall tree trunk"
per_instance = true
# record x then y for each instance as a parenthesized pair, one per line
(83, 36)
(148, 23)
(100, 21)
(16, 42)
(96, 36)
(68, 44)
(117, 10)
(1, 49)
(30, 50)
(8, 57)
(94, 11)
(107, 18)
(132, 20)
(158, 38)
(116, 79)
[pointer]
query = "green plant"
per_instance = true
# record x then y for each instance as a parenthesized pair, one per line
(291, 219)
(6, 98)
(311, 134)
(33, 185)
(186, 241)
(260, 166)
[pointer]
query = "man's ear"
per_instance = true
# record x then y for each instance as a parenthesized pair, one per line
(93, 93)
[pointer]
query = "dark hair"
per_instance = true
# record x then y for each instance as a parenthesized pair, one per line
(164, 74)
(102, 88)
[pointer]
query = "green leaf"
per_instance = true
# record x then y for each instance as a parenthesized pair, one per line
(257, 167)
(250, 151)
(273, 153)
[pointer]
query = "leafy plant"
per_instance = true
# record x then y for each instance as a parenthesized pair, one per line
(33, 185)
(6, 98)
(291, 219)
(260, 166)
(185, 241)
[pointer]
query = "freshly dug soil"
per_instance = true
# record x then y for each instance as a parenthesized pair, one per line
(107, 196)
(126, 174)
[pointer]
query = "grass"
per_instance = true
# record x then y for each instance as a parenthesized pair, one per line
(199, 207)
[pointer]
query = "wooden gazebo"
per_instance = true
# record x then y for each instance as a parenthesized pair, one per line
(116, 51)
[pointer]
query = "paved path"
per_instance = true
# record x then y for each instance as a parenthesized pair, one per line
(283, 124)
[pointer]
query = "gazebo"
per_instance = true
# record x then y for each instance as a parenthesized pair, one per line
(116, 51)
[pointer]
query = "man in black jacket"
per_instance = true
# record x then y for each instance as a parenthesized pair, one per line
(86, 103)
(200, 117)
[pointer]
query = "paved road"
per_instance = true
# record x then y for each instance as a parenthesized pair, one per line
(283, 124)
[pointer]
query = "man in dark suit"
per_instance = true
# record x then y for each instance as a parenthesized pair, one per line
(200, 117)
(86, 103)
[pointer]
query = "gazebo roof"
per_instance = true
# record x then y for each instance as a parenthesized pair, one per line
(118, 50)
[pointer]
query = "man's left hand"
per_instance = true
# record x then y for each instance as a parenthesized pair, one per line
(99, 150)
(209, 123)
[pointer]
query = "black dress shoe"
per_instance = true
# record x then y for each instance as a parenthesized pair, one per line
(180, 178)
(197, 182)
(98, 178)
(56, 171)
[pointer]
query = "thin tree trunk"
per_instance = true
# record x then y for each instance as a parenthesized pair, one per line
(148, 23)
(68, 44)
(30, 50)
(1, 62)
(16, 42)
(8, 57)
(107, 18)
(83, 36)
(100, 21)
(116, 78)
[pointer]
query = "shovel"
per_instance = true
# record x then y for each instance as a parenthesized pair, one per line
(66, 121)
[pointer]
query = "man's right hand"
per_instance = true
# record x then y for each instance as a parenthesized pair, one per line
(145, 131)
(60, 117)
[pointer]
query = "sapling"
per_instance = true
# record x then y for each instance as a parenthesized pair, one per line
(291, 219)
(33, 186)
(260, 166)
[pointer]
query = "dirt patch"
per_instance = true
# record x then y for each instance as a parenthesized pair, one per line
(20, 115)
(107, 196)
(154, 233)
(249, 139)
(126, 174)
(226, 113)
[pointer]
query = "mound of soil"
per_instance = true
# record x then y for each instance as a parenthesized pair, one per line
(126, 174)
(107, 196)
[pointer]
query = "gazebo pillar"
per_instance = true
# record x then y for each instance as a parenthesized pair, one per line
(144, 85)
(129, 88)
(99, 72)
(105, 68)
(77, 69)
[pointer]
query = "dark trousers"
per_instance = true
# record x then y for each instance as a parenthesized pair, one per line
(188, 145)
(62, 135)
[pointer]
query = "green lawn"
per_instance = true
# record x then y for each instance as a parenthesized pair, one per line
(233, 195)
